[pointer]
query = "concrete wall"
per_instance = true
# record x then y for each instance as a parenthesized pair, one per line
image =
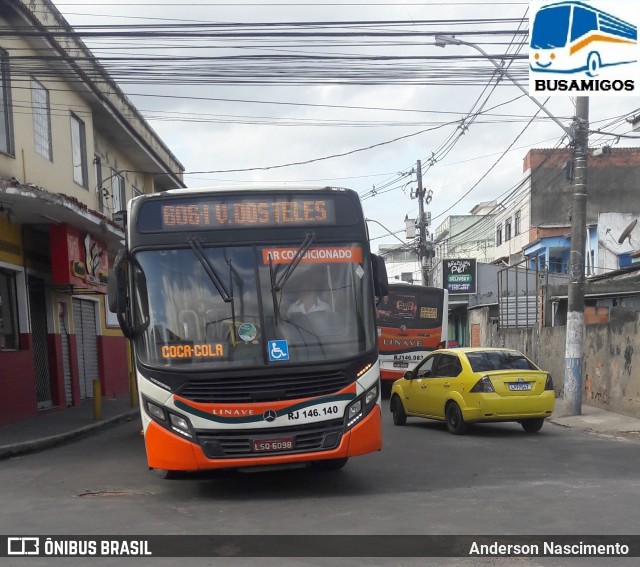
(613, 185)
(611, 356)
(612, 368)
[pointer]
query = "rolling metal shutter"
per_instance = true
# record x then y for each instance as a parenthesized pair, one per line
(84, 325)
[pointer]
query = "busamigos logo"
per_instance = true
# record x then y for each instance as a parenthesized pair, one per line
(579, 48)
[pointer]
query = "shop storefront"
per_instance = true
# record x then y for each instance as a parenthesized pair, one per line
(56, 334)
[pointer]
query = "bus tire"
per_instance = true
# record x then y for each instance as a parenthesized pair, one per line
(593, 64)
(397, 409)
(168, 475)
(330, 464)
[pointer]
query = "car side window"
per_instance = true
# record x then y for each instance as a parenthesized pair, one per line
(448, 367)
(423, 370)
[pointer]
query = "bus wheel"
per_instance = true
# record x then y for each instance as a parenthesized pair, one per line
(169, 475)
(593, 64)
(397, 409)
(330, 464)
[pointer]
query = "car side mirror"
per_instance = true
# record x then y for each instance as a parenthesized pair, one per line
(408, 375)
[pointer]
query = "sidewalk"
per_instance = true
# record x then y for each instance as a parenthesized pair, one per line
(52, 427)
(596, 420)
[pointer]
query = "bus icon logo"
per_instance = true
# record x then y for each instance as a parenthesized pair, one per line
(592, 50)
(278, 350)
(23, 546)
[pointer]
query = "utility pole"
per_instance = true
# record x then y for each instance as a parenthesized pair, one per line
(573, 365)
(422, 229)
(424, 250)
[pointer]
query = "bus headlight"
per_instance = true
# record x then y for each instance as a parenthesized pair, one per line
(362, 405)
(180, 424)
(166, 418)
(155, 411)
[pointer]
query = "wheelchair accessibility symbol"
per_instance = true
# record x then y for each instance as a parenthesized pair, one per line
(278, 350)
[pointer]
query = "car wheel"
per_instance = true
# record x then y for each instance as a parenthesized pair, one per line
(330, 464)
(397, 409)
(453, 417)
(532, 425)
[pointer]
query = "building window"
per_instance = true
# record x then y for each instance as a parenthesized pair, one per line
(507, 229)
(41, 119)
(516, 224)
(79, 151)
(499, 234)
(117, 188)
(97, 168)
(9, 339)
(6, 119)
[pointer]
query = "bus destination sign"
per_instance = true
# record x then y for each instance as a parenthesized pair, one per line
(229, 212)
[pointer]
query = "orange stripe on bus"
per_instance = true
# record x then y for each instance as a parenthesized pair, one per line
(597, 37)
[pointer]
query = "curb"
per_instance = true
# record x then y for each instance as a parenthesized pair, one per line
(16, 449)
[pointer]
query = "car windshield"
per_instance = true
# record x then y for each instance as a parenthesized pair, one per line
(221, 310)
(498, 360)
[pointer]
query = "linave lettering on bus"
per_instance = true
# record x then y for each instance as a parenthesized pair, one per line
(401, 343)
(583, 85)
(245, 213)
(285, 255)
(192, 351)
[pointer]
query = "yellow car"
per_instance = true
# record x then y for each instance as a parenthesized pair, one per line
(470, 385)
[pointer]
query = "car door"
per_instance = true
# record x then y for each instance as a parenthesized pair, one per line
(444, 378)
(415, 401)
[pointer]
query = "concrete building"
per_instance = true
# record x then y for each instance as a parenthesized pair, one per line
(401, 262)
(536, 222)
(467, 236)
(73, 151)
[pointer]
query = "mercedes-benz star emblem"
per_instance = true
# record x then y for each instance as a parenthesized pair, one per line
(270, 415)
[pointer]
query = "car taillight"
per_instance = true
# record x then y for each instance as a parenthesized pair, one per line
(483, 385)
(549, 383)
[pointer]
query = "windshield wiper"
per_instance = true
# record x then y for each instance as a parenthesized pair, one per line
(210, 271)
(215, 279)
(277, 286)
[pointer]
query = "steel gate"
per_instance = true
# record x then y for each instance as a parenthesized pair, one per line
(66, 362)
(38, 316)
(84, 326)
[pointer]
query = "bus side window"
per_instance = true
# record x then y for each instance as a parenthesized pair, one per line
(584, 21)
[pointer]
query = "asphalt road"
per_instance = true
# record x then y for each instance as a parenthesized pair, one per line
(496, 480)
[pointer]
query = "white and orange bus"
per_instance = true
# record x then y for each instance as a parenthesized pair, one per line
(229, 376)
(412, 321)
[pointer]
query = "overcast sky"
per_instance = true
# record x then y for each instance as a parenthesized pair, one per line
(377, 131)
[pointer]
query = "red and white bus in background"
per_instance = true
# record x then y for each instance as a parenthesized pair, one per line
(412, 321)
(232, 370)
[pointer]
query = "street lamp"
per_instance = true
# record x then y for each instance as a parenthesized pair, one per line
(579, 136)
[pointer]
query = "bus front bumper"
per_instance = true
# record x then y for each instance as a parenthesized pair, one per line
(169, 451)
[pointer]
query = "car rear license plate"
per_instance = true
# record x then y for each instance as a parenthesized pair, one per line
(520, 386)
(271, 445)
(398, 364)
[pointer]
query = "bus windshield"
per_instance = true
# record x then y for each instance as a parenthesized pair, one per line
(320, 313)
(421, 308)
(551, 27)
